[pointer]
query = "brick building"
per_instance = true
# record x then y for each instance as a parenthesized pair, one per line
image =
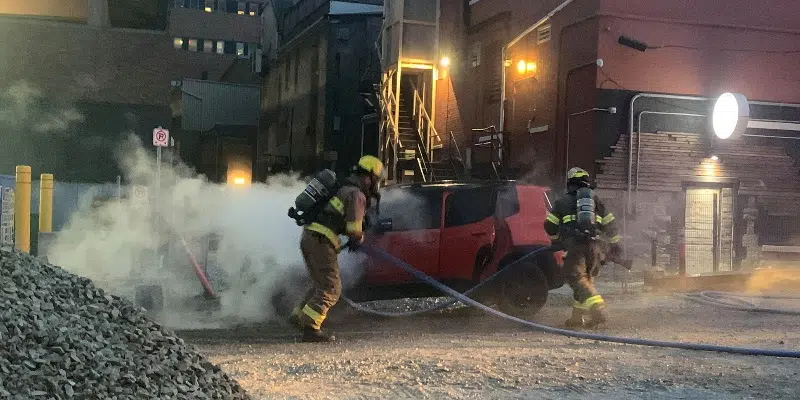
(564, 84)
(312, 108)
(115, 60)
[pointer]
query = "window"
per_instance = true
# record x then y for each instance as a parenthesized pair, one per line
(178, 3)
(467, 206)
(220, 47)
(241, 8)
(208, 46)
(178, 43)
(230, 47)
(412, 210)
(192, 44)
(194, 4)
(239, 49)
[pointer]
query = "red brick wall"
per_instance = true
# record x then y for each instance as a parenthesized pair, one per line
(710, 69)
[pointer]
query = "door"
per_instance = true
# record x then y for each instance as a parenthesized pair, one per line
(708, 230)
(416, 218)
(468, 228)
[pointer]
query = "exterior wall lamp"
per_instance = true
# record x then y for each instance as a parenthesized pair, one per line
(730, 116)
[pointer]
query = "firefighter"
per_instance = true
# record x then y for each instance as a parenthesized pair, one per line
(576, 223)
(320, 244)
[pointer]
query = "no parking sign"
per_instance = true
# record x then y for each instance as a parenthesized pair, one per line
(160, 137)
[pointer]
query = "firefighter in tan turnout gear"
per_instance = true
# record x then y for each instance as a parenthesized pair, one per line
(578, 222)
(342, 214)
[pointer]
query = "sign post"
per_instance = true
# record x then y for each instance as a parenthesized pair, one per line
(160, 139)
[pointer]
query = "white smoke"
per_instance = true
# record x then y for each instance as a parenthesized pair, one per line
(258, 252)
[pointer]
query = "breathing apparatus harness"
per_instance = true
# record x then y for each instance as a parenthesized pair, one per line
(310, 203)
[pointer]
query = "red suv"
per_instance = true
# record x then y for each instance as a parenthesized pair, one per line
(460, 234)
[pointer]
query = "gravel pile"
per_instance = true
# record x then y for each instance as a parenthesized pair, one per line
(61, 337)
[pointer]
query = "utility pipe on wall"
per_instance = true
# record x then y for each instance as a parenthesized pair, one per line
(22, 209)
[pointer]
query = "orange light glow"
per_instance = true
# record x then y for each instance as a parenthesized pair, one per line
(521, 66)
(238, 180)
(530, 67)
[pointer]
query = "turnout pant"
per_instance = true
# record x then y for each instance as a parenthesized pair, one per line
(580, 267)
(322, 263)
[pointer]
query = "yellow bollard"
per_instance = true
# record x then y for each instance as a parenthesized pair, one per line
(22, 209)
(46, 185)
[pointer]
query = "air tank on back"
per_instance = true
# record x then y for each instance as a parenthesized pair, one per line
(586, 215)
(319, 189)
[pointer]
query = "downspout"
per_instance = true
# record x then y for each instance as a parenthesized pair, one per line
(505, 48)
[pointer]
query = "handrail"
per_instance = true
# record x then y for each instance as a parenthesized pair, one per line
(424, 121)
(454, 143)
(421, 170)
(417, 113)
(389, 104)
(495, 151)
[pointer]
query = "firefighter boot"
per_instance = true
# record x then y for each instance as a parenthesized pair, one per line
(597, 315)
(576, 320)
(311, 335)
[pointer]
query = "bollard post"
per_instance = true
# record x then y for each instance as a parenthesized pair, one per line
(46, 185)
(22, 209)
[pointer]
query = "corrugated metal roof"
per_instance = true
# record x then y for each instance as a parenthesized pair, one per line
(207, 104)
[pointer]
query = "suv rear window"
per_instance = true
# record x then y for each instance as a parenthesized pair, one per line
(412, 209)
(467, 206)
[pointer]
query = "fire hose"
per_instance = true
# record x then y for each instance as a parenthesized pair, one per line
(726, 300)
(198, 270)
(380, 253)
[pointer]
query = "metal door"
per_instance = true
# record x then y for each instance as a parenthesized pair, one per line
(708, 230)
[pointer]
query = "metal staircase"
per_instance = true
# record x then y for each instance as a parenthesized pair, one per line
(409, 52)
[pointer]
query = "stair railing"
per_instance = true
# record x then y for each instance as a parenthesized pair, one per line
(454, 145)
(389, 126)
(495, 151)
(422, 127)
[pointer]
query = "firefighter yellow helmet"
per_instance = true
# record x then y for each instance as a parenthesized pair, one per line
(577, 173)
(372, 165)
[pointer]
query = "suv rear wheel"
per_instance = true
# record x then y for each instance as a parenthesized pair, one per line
(523, 291)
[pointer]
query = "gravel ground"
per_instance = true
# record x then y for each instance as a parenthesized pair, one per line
(62, 337)
(465, 354)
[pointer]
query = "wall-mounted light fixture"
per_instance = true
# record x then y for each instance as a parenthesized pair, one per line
(524, 67)
(730, 116)
(444, 62)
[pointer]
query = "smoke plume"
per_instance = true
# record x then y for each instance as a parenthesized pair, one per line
(258, 244)
(32, 125)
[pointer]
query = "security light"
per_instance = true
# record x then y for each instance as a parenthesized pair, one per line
(730, 116)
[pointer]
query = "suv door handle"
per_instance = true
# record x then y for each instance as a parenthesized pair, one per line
(479, 234)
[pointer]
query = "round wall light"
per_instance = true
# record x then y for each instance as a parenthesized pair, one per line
(730, 115)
